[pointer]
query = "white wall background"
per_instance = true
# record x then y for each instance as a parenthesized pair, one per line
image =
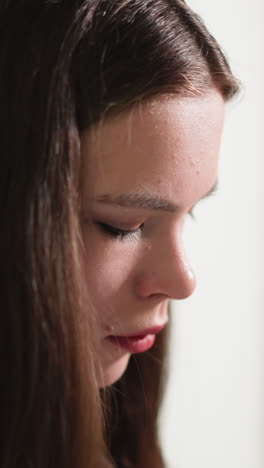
(213, 411)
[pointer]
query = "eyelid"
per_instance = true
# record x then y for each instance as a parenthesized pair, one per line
(117, 229)
(121, 234)
(118, 233)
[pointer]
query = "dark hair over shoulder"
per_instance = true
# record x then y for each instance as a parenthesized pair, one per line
(64, 66)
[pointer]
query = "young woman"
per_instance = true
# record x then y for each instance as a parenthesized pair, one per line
(111, 118)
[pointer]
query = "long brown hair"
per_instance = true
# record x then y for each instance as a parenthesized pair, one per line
(63, 67)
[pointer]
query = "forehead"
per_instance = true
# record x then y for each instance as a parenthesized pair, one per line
(162, 144)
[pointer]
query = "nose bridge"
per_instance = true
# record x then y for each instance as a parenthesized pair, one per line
(167, 270)
(177, 275)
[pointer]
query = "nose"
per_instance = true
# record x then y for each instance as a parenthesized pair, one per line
(166, 271)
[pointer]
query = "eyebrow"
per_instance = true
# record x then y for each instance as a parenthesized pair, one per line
(147, 200)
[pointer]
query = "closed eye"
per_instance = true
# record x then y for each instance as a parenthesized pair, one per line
(120, 234)
(126, 234)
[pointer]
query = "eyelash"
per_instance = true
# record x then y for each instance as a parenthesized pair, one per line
(122, 234)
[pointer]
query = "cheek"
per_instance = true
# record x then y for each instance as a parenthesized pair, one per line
(108, 271)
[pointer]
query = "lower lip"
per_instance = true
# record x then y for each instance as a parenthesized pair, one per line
(135, 344)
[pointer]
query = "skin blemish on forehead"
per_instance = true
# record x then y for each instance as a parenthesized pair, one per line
(161, 146)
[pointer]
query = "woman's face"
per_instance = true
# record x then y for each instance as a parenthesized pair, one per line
(144, 171)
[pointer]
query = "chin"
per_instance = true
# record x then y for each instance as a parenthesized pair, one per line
(110, 373)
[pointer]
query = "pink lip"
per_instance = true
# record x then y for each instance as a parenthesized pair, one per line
(137, 342)
(147, 331)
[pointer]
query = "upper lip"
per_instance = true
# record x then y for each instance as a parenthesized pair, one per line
(147, 331)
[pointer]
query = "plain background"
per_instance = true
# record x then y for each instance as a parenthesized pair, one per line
(213, 410)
